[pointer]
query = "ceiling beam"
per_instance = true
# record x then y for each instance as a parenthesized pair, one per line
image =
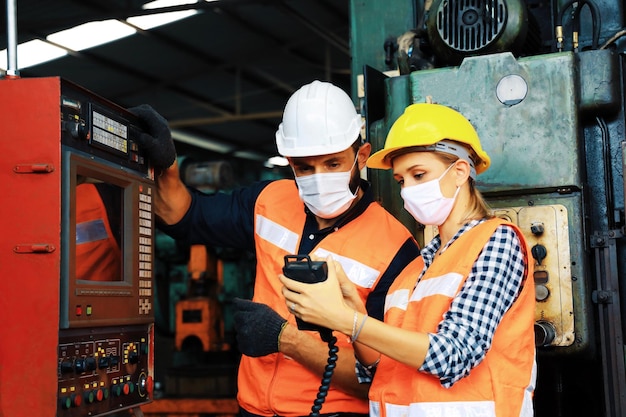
(198, 121)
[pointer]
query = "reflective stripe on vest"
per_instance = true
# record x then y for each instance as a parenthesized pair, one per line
(274, 233)
(445, 285)
(441, 409)
(91, 231)
(359, 273)
(277, 384)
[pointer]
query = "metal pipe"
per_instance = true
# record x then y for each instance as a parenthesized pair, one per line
(12, 70)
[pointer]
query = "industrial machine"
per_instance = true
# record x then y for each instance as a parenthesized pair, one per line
(76, 252)
(543, 84)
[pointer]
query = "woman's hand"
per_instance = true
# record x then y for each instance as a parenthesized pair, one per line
(322, 303)
(348, 288)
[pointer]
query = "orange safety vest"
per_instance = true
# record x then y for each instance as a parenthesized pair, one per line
(277, 384)
(98, 255)
(501, 385)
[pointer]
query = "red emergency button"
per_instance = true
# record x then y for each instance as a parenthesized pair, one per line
(126, 389)
(77, 400)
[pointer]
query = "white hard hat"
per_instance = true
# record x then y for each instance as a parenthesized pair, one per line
(319, 119)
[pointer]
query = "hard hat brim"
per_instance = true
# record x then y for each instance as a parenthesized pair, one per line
(380, 160)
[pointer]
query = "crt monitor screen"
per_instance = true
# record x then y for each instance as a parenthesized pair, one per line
(99, 230)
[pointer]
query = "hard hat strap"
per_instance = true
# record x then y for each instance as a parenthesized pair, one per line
(446, 146)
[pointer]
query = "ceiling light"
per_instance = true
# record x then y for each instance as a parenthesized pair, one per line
(200, 142)
(32, 53)
(255, 156)
(159, 19)
(157, 4)
(277, 161)
(91, 34)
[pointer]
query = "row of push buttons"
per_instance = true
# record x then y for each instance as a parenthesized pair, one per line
(100, 394)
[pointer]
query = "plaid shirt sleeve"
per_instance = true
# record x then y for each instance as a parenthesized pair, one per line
(466, 332)
(364, 374)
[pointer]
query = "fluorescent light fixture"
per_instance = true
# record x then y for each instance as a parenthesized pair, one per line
(156, 4)
(91, 34)
(278, 161)
(255, 156)
(32, 53)
(208, 144)
(153, 20)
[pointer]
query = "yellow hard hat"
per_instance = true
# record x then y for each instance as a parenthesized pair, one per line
(427, 125)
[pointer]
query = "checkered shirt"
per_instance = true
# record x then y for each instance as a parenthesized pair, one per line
(466, 332)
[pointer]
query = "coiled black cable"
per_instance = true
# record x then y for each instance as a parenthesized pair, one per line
(327, 336)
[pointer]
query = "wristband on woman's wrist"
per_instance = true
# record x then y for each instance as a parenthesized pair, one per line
(356, 335)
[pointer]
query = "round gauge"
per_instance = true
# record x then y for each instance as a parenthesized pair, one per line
(511, 90)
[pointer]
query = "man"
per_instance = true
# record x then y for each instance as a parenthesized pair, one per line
(327, 209)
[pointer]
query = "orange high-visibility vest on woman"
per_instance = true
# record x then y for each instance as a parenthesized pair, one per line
(98, 255)
(276, 384)
(501, 385)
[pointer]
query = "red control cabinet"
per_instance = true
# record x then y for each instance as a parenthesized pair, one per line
(71, 345)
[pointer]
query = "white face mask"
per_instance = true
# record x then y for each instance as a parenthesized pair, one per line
(327, 194)
(426, 203)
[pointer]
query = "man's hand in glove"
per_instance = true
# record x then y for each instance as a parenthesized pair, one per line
(156, 141)
(258, 328)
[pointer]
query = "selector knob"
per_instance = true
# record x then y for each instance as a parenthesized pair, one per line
(133, 356)
(90, 364)
(78, 130)
(103, 362)
(79, 365)
(539, 252)
(114, 360)
(66, 367)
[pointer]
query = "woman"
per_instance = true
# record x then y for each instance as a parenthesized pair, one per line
(457, 337)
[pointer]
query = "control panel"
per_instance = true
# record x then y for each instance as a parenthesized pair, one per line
(103, 370)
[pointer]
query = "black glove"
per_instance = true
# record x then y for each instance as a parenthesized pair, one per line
(258, 328)
(156, 141)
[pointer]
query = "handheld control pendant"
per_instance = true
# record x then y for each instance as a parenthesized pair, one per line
(301, 268)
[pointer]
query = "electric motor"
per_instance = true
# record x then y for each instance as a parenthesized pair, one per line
(460, 28)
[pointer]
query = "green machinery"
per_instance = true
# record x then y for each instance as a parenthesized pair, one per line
(542, 82)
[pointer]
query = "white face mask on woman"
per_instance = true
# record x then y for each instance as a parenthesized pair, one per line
(327, 194)
(426, 202)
